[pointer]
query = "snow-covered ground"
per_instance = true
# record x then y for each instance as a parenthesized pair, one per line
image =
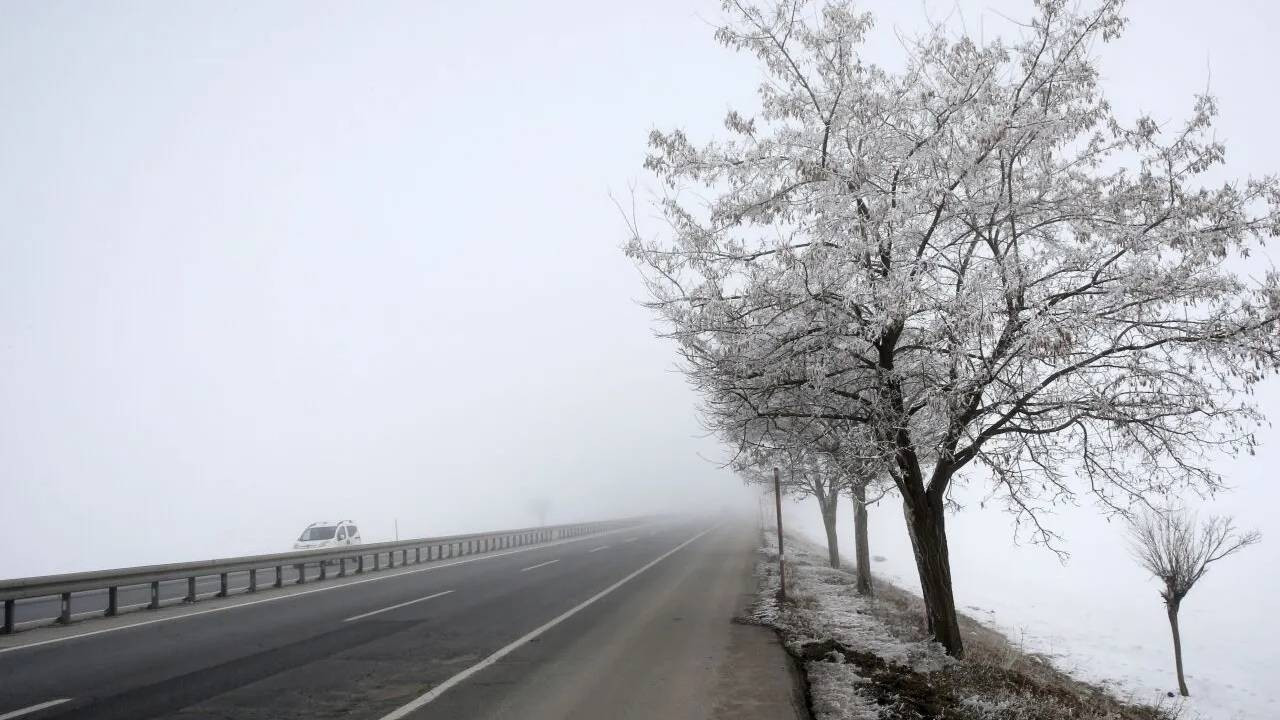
(1099, 617)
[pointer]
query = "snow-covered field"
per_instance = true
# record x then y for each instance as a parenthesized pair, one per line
(1099, 617)
(868, 659)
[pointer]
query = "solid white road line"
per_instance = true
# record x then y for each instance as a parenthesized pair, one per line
(396, 607)
(443, 687)
(535, 567)
(631, 540)
(33, 708)
(326, 588)
(602, 547)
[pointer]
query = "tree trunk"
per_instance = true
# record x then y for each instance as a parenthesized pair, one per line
(926, 523)
(861, 544)
(1177, 646)
(828, 507)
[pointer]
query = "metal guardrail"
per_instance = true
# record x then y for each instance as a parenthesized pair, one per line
(409, 551)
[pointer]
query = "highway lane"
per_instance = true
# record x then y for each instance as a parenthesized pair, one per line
(662, 646)
(360, 650)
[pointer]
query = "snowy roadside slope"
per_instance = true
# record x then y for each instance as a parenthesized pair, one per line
(868, 658)
(1098, 617)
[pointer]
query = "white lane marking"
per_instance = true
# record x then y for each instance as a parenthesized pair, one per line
(602, 547)
(443, 687)
(631, 539)
(300, 593)
(397, 607)
(535, 567)
(33, 708)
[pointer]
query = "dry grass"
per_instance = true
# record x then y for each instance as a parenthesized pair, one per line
(995, 666)
(997, 680)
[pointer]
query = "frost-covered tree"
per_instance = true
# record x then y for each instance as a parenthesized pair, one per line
(865, 480)
(1175, 547)
(974, 259)
(846, 445)
(804, 471)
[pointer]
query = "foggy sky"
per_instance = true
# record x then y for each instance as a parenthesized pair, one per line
(263, 264)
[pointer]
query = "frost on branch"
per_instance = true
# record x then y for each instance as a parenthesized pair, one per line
(973, 260)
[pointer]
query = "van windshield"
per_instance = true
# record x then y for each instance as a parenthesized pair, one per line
(323, 532)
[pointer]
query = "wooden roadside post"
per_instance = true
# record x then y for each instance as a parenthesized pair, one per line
(782, 566)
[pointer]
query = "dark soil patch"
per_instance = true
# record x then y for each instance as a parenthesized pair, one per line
(905, 694)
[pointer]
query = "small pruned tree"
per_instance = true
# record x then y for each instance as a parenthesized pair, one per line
(1175, 547)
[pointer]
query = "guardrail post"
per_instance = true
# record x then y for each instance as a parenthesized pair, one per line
(8, 616)
(64, 616)
(155, 595)
(253, 580)
(377, 561)
(222, 585)
(324, 569)
(360, 565)
(302, 572)
(279, 576)
(191, 589)
(342, 567)
(113, 601)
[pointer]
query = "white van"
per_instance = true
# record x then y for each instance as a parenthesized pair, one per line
(328, 534)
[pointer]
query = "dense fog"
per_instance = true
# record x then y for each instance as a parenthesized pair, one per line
(300, 262)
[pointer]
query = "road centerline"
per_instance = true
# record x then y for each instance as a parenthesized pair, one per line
(535, 567)
(397, 606)
(602, 547)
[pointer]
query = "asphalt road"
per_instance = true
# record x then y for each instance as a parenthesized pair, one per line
(630, 624)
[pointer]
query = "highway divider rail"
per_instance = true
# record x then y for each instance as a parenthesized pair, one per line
(362, 558)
